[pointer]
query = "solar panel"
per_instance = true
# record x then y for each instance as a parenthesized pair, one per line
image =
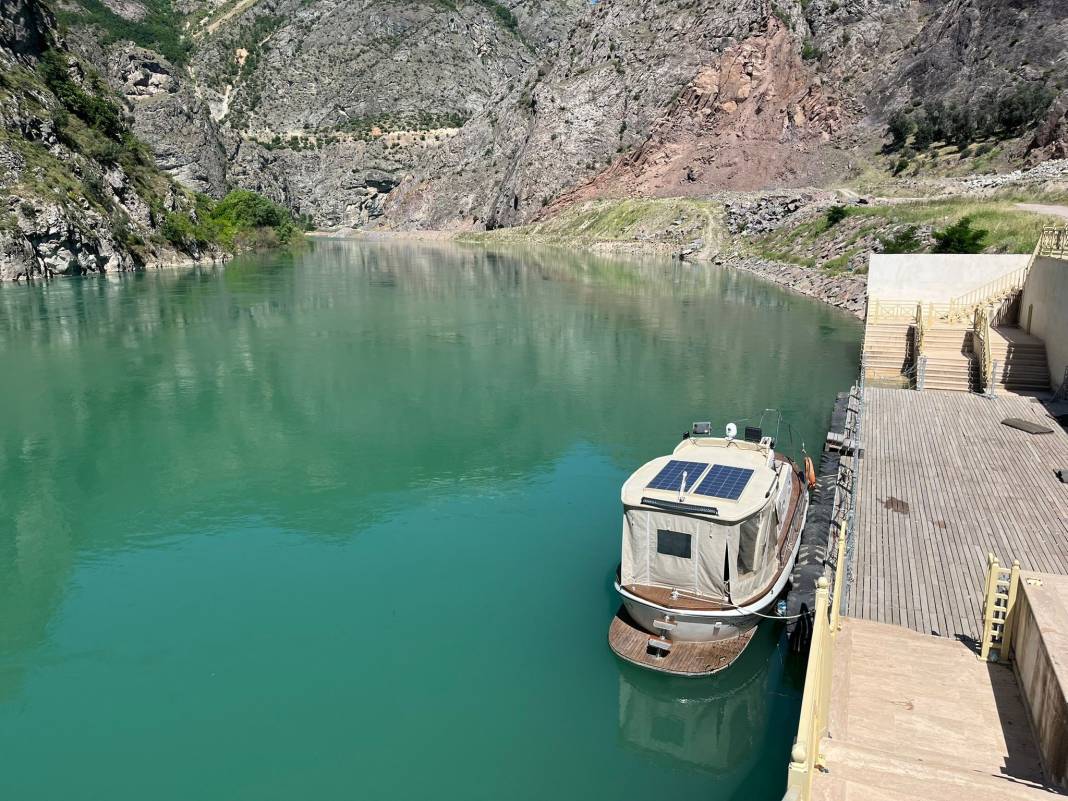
(725, 482)
(670, 477)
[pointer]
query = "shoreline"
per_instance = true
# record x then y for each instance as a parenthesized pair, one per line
(842, 291)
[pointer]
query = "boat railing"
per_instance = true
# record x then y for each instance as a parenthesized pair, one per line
(816, 701)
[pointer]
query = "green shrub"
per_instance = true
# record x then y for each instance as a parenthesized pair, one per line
(809, 51)
(961, 237)
(905, 241)
(835, 214)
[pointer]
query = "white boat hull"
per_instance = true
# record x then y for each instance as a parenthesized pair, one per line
(688, 627)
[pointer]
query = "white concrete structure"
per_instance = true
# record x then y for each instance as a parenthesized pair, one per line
(936, 278)
(1045, 305)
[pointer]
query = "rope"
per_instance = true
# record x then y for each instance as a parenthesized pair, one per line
(683, 593)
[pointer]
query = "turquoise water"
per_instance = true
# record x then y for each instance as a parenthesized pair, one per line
(343, 525)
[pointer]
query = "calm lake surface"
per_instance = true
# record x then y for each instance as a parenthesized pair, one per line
(344, 524)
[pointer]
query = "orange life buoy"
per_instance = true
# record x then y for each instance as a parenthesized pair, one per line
(810, 473)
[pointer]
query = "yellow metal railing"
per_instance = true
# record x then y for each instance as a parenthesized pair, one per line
(1053, 242)
(960, 307)
(1002, 584)
(816, 701)
(981, 346)
(887, 310)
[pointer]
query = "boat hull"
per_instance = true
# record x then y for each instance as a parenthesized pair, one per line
(690, 628)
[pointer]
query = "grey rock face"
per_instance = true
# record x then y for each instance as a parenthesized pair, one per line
(66, 206)
(27, 29)
(452, 115)
(166, 112)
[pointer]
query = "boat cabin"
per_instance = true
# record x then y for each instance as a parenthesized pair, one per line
(702, 527)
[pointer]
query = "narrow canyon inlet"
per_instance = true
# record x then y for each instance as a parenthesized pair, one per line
(344, 524)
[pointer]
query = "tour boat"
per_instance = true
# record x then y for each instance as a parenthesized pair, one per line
(710, 536)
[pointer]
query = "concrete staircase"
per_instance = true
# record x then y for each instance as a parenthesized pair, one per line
(951, 363)
(887, 349)
(1022, 365)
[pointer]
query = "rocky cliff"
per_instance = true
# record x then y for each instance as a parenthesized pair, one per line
(482, 114)
(78, 192)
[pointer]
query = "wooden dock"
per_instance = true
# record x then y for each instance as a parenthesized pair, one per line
(916, 717)
(695, 659)
(942, 483)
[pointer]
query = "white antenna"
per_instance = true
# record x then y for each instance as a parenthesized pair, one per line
(682, 486)
(732, 432)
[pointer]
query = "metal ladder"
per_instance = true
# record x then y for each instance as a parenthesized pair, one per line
(1002, 584)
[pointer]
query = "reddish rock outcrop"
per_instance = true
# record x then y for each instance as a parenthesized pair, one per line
(751, 119)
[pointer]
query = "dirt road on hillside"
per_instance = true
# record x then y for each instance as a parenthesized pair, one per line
(1042, 208)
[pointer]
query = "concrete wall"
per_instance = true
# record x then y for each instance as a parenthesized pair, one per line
(1046, 293)
(1040, 654)
(935, 278)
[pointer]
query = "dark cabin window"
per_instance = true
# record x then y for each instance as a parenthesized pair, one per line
(673, 543)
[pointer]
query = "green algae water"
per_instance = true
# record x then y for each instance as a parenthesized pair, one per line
(343, 524)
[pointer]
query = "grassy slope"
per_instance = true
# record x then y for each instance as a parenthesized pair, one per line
(814, 243)
(807, 240)
(622, 222)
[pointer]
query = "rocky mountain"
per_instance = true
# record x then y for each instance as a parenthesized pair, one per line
(77, 192)
(478, 114)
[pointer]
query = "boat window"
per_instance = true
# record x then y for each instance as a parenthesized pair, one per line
(772, 535)
(749, 545)
(673, 543)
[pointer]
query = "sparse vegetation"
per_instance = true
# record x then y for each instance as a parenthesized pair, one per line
(809, 51)
(905, 228)
(999, 115)
(160, 30)
(94, 107)
(905, 241)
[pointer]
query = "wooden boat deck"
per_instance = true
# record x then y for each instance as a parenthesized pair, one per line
(684, 659)
(941, 484)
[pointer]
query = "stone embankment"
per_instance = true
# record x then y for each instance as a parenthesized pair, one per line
(1056, 169)
(844, 291)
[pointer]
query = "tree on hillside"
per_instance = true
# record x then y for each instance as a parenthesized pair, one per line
(899, 127)
(961, 237)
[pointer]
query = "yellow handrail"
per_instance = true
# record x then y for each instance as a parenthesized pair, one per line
(992, 291)
(816, 700)
(1053, 242)
(919, 329)
(981, 346)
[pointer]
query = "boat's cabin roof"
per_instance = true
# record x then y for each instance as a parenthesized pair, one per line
(728, 480)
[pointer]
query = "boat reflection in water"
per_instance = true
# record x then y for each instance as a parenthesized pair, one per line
(717, 725)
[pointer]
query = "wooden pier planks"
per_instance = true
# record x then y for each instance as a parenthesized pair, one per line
(684, 659)
(943, 483)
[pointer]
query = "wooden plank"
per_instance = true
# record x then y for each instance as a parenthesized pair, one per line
(971, 486)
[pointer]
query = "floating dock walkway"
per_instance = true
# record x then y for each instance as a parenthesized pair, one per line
(938, 665)
(944, 483)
